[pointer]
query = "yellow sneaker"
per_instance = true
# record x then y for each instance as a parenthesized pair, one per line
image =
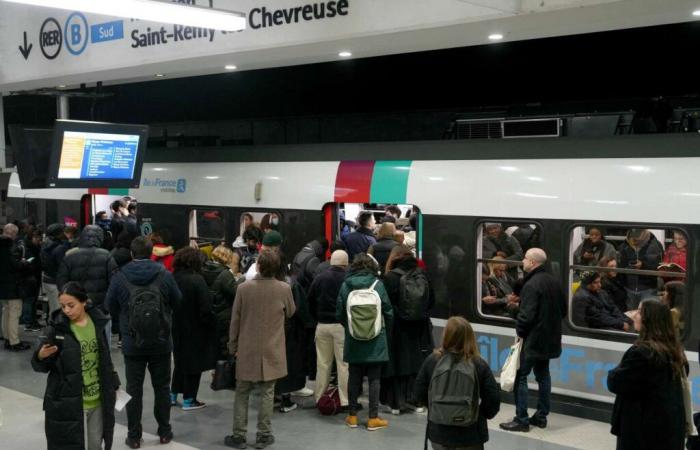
(351, 421)
(377, 423)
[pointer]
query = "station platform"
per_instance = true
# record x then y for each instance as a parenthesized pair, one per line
(21, 394)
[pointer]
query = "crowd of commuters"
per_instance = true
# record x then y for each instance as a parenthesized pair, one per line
(333, 313)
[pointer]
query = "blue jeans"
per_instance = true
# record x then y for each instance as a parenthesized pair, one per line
(544, 382)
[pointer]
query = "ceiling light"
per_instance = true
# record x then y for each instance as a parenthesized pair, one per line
(159, 75)
(345, 54)
(535, 178)
(230, 67)
(508, 168)
(61, 86)
(159, 169)
(696, 13)
(154, 11)
(212, 177)
(495, 37)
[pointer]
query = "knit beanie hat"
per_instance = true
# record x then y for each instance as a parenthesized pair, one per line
(272, 239)
(339, 258)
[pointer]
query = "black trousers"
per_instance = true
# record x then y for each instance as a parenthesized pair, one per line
(159, 368)
(373, 372)
(186, 384)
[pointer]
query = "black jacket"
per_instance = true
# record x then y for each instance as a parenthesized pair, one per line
(10, 267)
(63, 400)
(542, 307)
(648, 413)
(650, 254)
(52, 253)
(305, 263)
(323, 294)
(490, 404)
(381, 251)
(121, 255)
(359, 241)
(88, 264)
(223, 294)
(616, 292)
(194, 337)
(595, 310)
(211, 270)
(140, 272)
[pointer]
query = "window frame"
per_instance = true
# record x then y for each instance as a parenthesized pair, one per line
(479, 229)
(629, 225)
(196, 210)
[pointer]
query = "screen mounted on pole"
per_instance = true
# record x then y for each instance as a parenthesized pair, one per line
(97, 155)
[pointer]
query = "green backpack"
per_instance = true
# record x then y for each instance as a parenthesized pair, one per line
(453, 395)
(364, 311)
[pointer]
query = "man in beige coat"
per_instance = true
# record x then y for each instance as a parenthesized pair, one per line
(256, 339)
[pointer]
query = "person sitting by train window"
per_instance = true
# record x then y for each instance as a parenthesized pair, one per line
(642, 251)
(249, 252)
(677, 251)
(270, 222)
(593, 308)
(497, 243)
(612, 285)
(385, 243)
(593, 249)
(501, 284)
(674, 297)
(361, 239)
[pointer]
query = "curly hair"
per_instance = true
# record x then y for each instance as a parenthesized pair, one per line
(187, 258)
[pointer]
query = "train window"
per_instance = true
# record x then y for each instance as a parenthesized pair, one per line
(406, 219)
(607, 281)
(207, 225)
(500, 250)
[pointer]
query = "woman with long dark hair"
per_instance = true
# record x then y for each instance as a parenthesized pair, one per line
(459, 344)
(648, 412)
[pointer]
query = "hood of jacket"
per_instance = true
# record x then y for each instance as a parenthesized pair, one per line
(142, 271)
(61, 322)
(316, 247)
(162, 250)
(361, 279)
(92, 236)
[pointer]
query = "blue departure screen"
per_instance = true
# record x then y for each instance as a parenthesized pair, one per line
(98, 156)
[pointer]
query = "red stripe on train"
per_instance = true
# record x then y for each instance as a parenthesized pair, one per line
(353, 181)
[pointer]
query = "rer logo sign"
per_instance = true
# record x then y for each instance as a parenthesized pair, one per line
(76, 33)
(50, 38)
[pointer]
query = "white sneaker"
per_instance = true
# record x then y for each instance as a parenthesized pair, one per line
(420, 410)
(395, 412)
(303, 392)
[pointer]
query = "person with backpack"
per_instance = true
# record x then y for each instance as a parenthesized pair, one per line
(143, 295)
(410, 336)
(82, 383)
(306, 262)
(365, 311)
(459, 389)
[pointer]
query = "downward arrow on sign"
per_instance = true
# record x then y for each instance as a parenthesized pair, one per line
(24, 50)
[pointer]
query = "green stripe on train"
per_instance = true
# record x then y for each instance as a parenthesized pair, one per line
(390, 182)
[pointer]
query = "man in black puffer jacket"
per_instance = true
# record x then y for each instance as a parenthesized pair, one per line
(306, 262)
(88, 264)
(52, 253)
(538, 324)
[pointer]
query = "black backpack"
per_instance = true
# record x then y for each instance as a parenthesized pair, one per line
(414, 295)
(453, 397)
(149, 315)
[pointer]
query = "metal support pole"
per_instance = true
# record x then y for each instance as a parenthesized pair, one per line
(2, 135)
(62, 107)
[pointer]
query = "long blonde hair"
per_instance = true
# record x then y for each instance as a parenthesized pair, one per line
(458, 338)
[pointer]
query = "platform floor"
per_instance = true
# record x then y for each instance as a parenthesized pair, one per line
(21, 392)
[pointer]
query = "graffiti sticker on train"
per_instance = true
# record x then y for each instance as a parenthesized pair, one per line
(178, 186)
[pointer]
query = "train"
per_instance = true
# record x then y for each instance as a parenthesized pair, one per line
(558, 187)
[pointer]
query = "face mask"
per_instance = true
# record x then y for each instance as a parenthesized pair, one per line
(275, 222)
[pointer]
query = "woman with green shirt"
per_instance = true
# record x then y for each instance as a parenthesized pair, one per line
(82, 384)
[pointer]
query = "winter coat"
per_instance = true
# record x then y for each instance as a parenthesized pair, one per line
(140, 272)
(648, 413)
(363, 352)
(616, 291)
(305, 263)
(489, 405)
(409, 341)
(600, 250)
(381, 251)
(677, 256)
(117, 225)
(649, 254)
(52, 253)
(542, 307)
(596, 310)
(211, 270)
(163, 254)
(323, 294)
(63, 400)
(257, 329)
(10, 266)
(359, 241)
(30, 271)
(194, 325)
(121, 255)
(296, 329)
(223, 293)
(504, 243)
(88, 264)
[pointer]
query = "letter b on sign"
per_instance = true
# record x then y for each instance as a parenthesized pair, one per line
(76, 33)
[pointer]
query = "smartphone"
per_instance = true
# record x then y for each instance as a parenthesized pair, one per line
(30, 259)
(46, 340)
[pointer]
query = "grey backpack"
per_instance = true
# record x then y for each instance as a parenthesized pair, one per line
(453, 395)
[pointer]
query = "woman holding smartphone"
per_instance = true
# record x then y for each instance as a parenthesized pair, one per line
(82, 384)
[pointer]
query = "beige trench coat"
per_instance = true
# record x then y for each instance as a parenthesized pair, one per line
(257, 329)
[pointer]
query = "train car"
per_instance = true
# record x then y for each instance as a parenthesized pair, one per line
(552, 190)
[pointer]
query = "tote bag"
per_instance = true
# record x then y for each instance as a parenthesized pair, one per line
(511, 366)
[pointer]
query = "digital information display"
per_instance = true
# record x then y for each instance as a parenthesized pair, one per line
(97, 156)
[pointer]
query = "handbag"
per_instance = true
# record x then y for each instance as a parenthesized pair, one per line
(329, 403)
(511, 366)
(688, 406)
(224, 375)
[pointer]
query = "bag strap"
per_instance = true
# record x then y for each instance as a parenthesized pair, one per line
(371, 288)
